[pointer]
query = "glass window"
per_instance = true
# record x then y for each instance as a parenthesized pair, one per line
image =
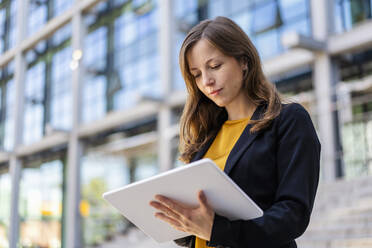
(7, 97)
(272, 18)
(218, 8)
(292, 9)
(102, 172)
(34, 103)
(356, 151)
(94, 98)
(267, 43)
(145, 166)
(61, 5)
(244, 20)
(183, 8)
(121, 57)
(187, 14)
(237, 6)
(356, 136)
(61, 95)
(40, 204)
(7, 25)
(348, 13)
(38, 15)
(40, 11)
(264, 21)
(107, 164)
(48, 103)
(5, 200)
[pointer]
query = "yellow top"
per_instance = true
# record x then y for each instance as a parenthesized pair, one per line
(220, 150)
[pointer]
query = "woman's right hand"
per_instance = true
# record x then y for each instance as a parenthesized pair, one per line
(197, 221)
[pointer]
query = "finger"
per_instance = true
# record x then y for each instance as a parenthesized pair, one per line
(203, 199)
(164, 209)
(172, 205)
(168, 219)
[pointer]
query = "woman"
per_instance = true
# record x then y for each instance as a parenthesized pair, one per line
(234, 116)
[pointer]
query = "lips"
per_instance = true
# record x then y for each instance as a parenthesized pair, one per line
(215, 92)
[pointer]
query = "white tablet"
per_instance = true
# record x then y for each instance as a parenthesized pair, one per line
(181, 184)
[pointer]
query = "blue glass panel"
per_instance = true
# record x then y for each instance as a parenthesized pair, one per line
(96, 49)
(244, 19)
(94, 98)
(2, 30)
(9, 118)
(62, 35)
(135, 42)
(34, 106)
(13, 24)
(7, 25)
(290, 9)
(351, 12)
(264, 17)
(268, 44)
(183, 8)
(61, 5)
(61, 95)
(37, 17)
(238, 5)
(339, 25)
(301, 26)
(217, 8)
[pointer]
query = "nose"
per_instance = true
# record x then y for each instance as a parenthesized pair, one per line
(208, 80)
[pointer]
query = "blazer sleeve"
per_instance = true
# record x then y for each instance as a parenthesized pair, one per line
(187, 241)
(298, 159)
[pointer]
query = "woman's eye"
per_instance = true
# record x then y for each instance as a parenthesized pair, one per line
(215, 66)
(196, 76)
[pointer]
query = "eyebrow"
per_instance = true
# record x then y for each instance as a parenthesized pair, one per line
(209, 60)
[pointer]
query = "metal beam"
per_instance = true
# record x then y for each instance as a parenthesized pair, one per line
(4, 157)
(118, 118)
(72, 229)
(47, 142)
(177, 98)
(164, 115)
(15, 163)
(50, 27)
(125, 145)
(324, 80)
(290, 60)
(296, 40)
(357, 39)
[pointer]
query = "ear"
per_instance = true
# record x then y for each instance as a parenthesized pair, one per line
(243, 61)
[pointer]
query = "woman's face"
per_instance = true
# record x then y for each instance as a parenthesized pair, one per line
(218, 76)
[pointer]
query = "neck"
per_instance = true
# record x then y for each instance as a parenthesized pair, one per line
(240, 109)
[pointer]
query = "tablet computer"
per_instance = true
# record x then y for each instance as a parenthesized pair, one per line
(181, 184)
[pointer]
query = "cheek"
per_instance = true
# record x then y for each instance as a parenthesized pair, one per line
(200, 87)
(237, 80)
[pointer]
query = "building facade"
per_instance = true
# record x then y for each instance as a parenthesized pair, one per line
(91, 95)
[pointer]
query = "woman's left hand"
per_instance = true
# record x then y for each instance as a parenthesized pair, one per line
(197, 221)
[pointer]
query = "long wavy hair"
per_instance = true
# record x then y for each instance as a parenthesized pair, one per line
(202, 118)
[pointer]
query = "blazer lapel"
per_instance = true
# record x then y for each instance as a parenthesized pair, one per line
(244, 141)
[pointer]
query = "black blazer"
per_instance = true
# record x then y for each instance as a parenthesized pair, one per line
(277, 167)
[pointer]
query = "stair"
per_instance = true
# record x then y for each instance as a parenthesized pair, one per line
(342, 216)
(135, 238)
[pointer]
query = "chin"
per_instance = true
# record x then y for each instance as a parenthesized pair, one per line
(220, 104)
